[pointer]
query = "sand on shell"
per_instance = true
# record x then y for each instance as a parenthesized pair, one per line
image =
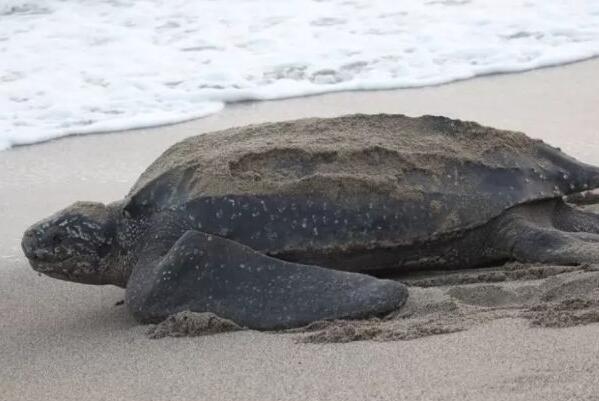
(426, 177)
(312, 155)
(64, 341)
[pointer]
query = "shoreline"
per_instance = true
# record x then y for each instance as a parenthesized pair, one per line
(332, 92)
(66, 341)
(162, 63)
(252, 112)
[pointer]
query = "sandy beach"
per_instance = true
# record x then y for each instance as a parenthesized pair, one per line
(64, 341)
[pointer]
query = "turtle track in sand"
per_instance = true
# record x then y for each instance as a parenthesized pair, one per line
(446, 302)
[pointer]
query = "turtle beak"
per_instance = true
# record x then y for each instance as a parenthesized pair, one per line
(29, 244)
(36, 249)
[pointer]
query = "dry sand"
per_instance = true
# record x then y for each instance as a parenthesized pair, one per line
(63, 341)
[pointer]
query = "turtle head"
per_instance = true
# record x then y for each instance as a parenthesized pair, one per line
(74, 244)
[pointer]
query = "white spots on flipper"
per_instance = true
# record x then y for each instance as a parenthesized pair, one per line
(166, 275)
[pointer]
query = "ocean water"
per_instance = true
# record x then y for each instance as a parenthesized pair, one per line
(83, 66)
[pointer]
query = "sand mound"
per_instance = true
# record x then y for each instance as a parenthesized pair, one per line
(190, 324)
(567, 313)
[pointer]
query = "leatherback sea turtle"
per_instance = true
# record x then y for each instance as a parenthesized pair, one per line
(273, 225)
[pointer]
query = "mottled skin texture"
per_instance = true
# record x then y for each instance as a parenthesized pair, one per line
(269, 225)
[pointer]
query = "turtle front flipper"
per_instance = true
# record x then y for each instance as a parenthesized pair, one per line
(206, 273)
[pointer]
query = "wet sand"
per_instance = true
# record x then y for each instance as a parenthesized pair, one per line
(63, 341)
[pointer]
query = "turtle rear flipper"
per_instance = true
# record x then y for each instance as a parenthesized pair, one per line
(547, 232)
(206, 273)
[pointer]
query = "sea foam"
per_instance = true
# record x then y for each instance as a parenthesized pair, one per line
(84, 66)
